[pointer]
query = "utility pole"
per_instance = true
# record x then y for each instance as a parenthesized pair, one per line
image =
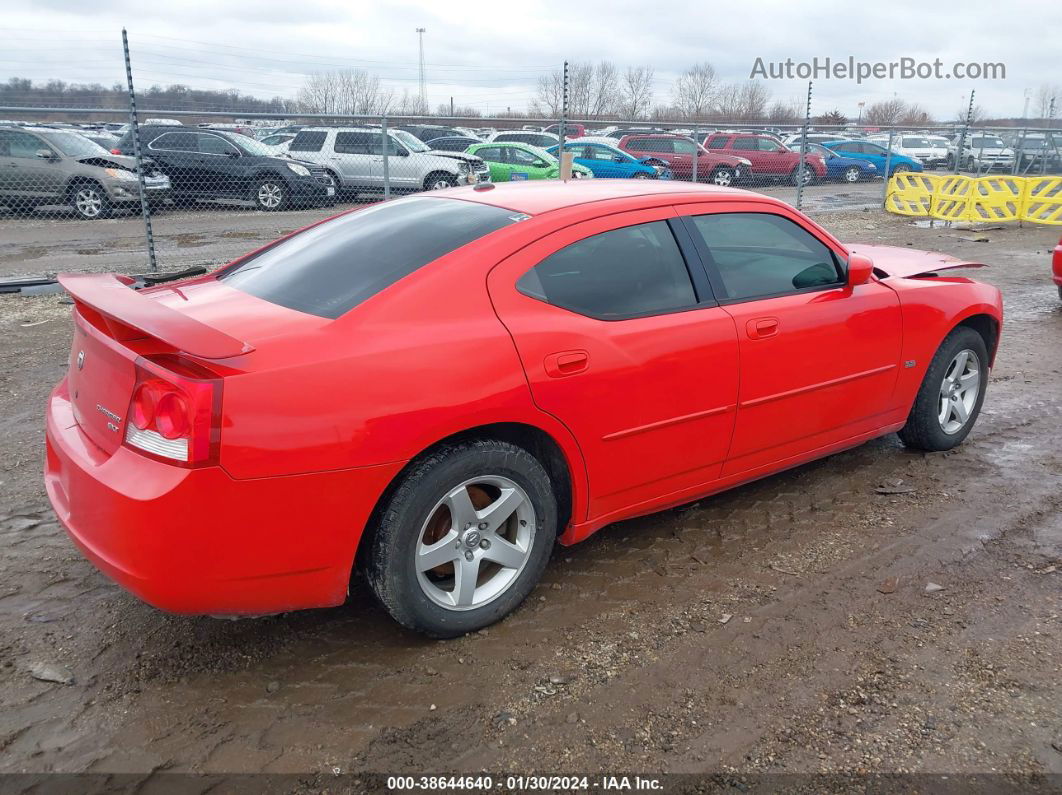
(961, 145)
(423, 85)
(859, 122)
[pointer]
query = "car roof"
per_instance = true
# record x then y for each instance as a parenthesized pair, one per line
(535, 197)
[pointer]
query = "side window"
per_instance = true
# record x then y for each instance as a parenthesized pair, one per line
(659, 145)
(628, 272)
(308, 141)
(638, 145)
(353, 143)
(767, 145)
(20, 144)
(746, 144)
(214, 145)
(715, 142)
(491, 153)
(599, 153)
(175, 142)
(375, 145)
(759, 254)
(521, 157)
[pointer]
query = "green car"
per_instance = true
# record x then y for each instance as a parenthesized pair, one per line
(514, 161)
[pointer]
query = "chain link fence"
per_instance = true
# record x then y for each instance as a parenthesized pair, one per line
(91, 163)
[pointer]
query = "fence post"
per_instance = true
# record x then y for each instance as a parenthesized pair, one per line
(961, 144)
(888, 163)
(385, 143)
(565, 170)
(1048, 136)
(134, 128)
(801, 169)
(696, 152)
(1018, 150)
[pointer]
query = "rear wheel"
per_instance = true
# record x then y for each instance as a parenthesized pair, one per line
(806, 175)
(902, 168)
(951, 394)
(852, 174)
(464, 538)
(723, 176)
(642, 175)
(90, 201)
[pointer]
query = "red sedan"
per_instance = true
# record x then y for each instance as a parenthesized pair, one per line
(1056, 268)
(437, 388)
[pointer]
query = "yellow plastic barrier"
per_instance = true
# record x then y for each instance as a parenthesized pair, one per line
(951, 200)
(910, 193)
(1043, 200)
(956, 197)
(996, 199)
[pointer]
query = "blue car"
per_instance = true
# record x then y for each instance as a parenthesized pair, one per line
(608, 161)
(842, 168)
(864, 150)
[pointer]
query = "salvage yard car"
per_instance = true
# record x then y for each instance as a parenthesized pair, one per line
(41, 166)
(677, 153)
(510, 162)
(769, 158)
(840, 167)
(437, 388)
(216, 164)
(353, 158)
(605, 160)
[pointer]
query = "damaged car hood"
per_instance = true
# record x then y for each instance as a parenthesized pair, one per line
(906, 262)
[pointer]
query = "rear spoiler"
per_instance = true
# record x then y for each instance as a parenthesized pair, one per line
(111, 296)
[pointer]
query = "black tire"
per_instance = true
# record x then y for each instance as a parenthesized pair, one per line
(643, 175)
(391, 568)
(723, 177)
(923, 430)
(971, 164)
(271, 194)
(852, 174)
(902, 168)
(1060, 292)
(949, 162)
(809, 176)
(89, 201)
(438, 180)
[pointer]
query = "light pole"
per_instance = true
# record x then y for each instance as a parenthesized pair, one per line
(859, 122)
(423, 86)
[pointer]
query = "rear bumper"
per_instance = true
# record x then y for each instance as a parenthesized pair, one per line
(198, 541)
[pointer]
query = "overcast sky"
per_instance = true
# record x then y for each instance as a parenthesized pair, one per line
(490, 53)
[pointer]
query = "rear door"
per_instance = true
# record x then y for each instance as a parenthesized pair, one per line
(223, 167)
(624, 344)
(818, 359)
(748, 147)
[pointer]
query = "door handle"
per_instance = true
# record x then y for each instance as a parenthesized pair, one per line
(761, 327)
(559, 365)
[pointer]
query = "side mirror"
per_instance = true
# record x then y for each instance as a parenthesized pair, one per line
(232, 154)
(618, 159)
(45, 154)
(860, 268)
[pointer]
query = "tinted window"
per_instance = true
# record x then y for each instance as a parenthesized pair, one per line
(637, 270)
(20, 144)
(758, 254)
(491, 153)
(175, 142)
(215, 145)
(716, 141)
(376, 145)
(73, 144)
(745, 143)
(308, 141)
(354, 143)
(331, 268)
(638, 145)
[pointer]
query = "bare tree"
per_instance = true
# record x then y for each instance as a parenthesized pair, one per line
(1044, 94)
(636, 91)
(741, 102)
(695, 89)
(549, 96)
(885, 113)
(784, 112)
(977, 114)
(914, 115)
(593, 91)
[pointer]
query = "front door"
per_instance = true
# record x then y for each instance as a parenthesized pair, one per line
(620, 345)
(819, 359)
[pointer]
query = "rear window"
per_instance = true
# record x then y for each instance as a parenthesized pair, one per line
(333, 267)
(308, 141)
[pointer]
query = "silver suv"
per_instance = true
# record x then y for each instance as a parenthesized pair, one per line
(354, 156)
(40, 166)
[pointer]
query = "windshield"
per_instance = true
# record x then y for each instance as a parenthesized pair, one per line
(251, 146)
(74, 144)
(986, 142)
(412, 142)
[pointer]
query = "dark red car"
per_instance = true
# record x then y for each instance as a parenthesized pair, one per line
(677, 153)
(437, 388)
(1056, 267)
(770, 159)
(571, 129)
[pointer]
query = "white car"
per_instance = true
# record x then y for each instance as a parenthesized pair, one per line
(982, 152)
(353, 157)
(793, 140)
(915, 146)
(542, 140)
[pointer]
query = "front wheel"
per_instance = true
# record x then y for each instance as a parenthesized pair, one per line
(951, 394)
(902, 168)
(723, 177)
(852, 174)
(805, 175)
(271, 194)
(464, 538)
(90, 201)
(439, 181)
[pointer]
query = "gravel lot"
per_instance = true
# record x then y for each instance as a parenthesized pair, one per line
(788, 626)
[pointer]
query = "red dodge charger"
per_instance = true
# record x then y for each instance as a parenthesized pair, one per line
(438, 388)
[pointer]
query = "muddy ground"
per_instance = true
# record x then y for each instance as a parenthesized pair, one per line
(748, 633)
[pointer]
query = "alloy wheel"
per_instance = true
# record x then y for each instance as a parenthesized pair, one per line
(851, 175)
(88, 202)
(475, 542)
(959, 391)
(270, 195)
(723, 177)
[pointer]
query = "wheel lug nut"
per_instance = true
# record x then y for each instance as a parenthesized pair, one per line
(484, 544)
(468, 555)
(482, 525)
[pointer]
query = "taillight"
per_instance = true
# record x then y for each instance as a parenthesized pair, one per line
(175, 412)
(116, 151)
